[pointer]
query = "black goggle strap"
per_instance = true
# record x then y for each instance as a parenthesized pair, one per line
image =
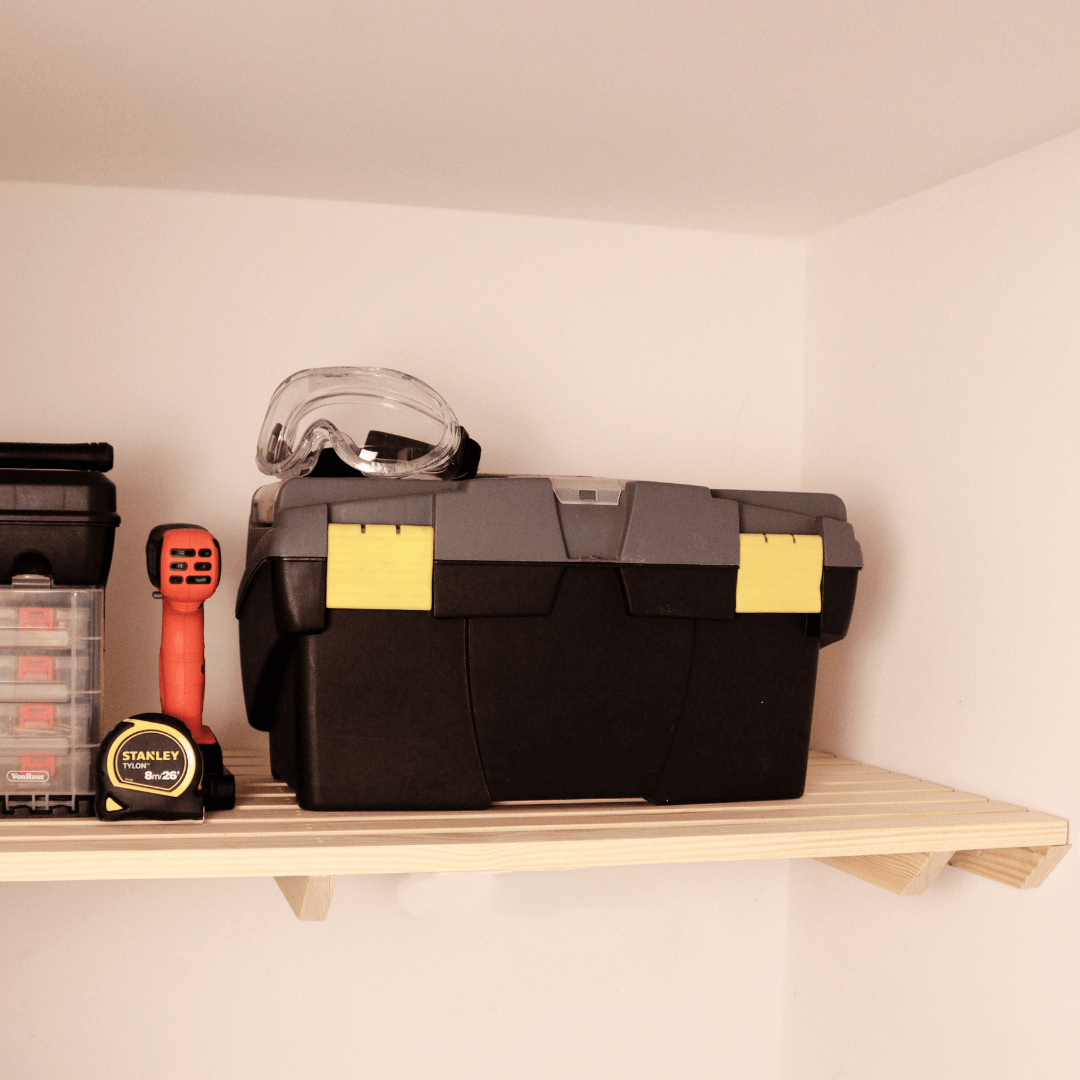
(462, 466)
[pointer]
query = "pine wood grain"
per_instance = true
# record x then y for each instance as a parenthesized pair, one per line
(309, 897)
(1023, 868)
(849, 810)
(905, 875)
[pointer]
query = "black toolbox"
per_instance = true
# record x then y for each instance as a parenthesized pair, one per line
(57, 523)
(414, 644)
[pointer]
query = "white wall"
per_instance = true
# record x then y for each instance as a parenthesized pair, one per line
(942, 396)
(161, 322)
(941, 401)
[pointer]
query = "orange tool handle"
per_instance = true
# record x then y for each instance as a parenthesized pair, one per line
(184, 562)
(181, 667)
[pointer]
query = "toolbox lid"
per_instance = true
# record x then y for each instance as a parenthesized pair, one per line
(57, 479)
(87, 496)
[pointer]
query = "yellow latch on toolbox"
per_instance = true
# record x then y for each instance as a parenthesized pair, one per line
(779, 572)
(379, 566)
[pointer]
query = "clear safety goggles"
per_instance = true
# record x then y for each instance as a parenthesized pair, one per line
(381, 423)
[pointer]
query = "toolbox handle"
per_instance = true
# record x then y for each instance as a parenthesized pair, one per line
(90, 457)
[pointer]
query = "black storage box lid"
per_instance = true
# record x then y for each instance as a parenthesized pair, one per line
(57, 512)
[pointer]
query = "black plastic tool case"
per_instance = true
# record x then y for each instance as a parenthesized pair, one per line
(582, 642)
(57, 523)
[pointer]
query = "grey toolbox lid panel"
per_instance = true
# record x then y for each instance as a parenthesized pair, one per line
(499, 519)
(763, 519)
(808, 503)
(517, 520)
(305, 490)
(677, 524)
(297, 533)
(400, 510)
(303, 507)
(800, 513)
(841, 547)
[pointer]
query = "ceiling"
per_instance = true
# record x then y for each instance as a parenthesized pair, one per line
(769, 116)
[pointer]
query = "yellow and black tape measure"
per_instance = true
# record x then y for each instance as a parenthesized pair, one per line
(149, 767)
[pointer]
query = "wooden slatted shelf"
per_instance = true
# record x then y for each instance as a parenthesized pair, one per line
(895, 831)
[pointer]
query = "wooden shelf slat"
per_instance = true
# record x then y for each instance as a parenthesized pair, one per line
(897, 831)
(291, 824)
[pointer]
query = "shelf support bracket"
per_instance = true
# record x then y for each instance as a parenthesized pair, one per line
(909, 874)
(1021, 867)
(309, 897)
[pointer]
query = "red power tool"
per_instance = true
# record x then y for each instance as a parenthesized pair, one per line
(184, 563)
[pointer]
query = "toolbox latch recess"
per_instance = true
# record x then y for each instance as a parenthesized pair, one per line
(587, 490)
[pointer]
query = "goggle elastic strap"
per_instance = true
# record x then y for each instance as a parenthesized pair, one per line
(462, 466)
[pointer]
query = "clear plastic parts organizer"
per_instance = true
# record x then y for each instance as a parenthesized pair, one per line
(50, 698)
